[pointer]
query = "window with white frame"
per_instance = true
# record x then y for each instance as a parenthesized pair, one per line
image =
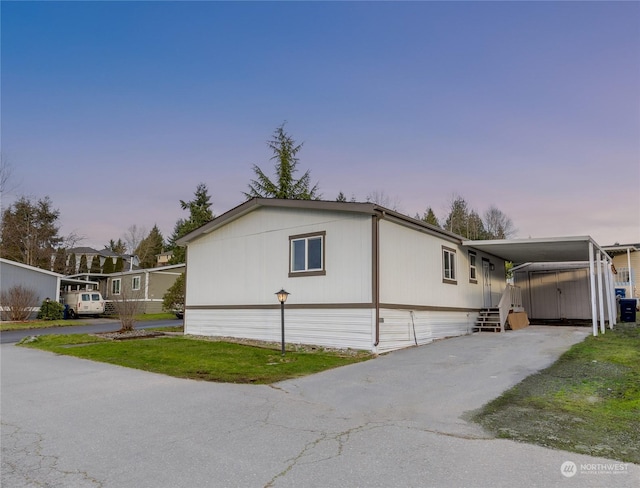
(307, 254)
(115, 286)
(473, 270)
(135, 283)
(448, 265)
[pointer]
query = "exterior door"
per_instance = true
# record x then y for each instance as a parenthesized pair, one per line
(486, 283)
(545, 295)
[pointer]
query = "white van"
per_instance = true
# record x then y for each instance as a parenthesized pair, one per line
(83, 302)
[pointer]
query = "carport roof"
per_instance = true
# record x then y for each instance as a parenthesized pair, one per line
(551, 249)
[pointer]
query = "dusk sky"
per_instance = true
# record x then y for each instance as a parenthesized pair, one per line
(117, 110)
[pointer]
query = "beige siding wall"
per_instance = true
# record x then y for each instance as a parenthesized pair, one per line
(246, 261)
(411, 271)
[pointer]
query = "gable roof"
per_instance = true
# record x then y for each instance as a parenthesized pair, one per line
(31, 268)
(352, 207)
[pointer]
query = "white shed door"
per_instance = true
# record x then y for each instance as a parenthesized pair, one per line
(574, 294)
(544, 295)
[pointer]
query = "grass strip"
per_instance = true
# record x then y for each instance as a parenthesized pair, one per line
(185, 357)
(586, 402)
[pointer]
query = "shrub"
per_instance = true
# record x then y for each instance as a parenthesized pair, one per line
(173, 299)
(18, 302)
(51, 310)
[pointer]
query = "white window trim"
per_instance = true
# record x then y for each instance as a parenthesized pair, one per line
(133, 283)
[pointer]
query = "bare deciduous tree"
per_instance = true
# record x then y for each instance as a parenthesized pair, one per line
(379, 197)
(133, 237)
(18, 302)
(498, 224)
(129, 302)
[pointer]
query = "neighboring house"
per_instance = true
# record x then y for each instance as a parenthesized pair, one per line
(626, 262)
(145, 285)
(163, 259)
(555, 291)
(45, 284)
(130, 261)
(360, 276)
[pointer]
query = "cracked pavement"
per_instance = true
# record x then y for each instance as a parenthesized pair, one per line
(398, 420)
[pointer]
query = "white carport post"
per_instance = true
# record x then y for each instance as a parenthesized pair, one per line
(629, 272)
(592, 282)
(600, 294)
(611, 300)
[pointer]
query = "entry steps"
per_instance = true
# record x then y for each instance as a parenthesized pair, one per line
(488, 321)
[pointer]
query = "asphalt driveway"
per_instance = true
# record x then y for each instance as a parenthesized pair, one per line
(395, 421)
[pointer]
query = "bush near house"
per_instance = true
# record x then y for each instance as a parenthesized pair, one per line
(18, 303)
(51, 310)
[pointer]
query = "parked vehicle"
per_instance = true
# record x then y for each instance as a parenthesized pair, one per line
(82, 302)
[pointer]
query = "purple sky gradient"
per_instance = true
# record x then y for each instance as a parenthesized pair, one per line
(117, 110)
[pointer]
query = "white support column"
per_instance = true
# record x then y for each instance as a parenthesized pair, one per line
(610, 293)
(592, 283)
(600, 291)
(629, 268)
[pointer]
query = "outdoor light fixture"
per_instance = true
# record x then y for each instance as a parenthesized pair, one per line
(492, 267)
(282, 297)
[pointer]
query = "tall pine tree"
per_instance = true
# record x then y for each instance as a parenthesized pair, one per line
(199, 214)
(284, 150)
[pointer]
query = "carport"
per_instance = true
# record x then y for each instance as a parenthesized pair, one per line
(564, 249)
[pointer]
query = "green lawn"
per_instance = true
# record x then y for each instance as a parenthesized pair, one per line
(185, 357)
(587, 402)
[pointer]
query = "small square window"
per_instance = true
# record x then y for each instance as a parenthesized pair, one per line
(307, 254)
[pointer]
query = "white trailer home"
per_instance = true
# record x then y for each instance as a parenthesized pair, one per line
(360, 276)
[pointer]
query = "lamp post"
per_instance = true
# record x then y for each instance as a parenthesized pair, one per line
(282, 297)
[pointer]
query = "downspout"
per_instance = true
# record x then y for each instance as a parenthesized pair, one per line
(375, 271)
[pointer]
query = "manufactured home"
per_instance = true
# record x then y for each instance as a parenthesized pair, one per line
(359, 276)
(146, 286)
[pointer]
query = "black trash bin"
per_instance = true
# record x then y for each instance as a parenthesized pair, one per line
(627, 310)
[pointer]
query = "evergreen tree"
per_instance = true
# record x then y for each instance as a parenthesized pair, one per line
(199, 214)
(95, 265)
(84, 267)
(118, 247)
(59, 263)
(29, 233)
(430, 217)
(173, 299)
(108, 266)
(284, 150)
(458, 217)
(71, 265)
(149, 248)
(119, 267)
(341, 197)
